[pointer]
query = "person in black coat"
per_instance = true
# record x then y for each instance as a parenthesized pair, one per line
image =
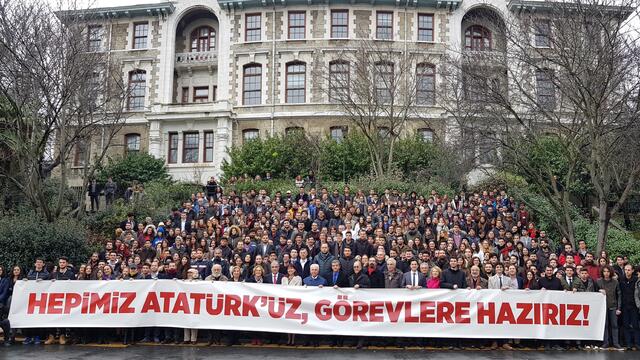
(337, 278)
(550, 281)
(453, 277)
(93, 189)
(359, 279)
(376, 277)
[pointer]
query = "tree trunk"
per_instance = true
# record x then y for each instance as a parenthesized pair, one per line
(603, 225)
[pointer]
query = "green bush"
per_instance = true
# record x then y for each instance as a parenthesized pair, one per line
(141, 168)
(26, 236)
(344, 160)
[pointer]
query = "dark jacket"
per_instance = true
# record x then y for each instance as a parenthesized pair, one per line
(614, 295)
(627, 290)
(588, 286)
(341, 281)
(453, 277)
(38, 275)
(363, 247)
(376, 278)
(552, 283)
(4, 289)
(346, 264)
(360, 279)
(303, 271)
(393, 279)
(324, 261)
(67, 275)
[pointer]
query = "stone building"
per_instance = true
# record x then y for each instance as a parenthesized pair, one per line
(205, 74)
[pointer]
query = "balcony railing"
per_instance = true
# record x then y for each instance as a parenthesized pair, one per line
(197, 58)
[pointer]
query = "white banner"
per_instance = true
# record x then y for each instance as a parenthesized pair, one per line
(310, 310)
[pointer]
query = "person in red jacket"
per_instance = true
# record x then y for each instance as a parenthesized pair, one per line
(591, 266)
(568, 252)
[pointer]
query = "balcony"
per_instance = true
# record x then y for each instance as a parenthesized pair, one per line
(197, 59)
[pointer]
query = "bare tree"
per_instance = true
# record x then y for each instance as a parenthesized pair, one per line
(57, 94)
(376, 86)
(568, 70)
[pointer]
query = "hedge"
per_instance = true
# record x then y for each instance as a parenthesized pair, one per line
(26, 236)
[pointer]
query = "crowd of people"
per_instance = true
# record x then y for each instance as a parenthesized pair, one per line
(344, 238)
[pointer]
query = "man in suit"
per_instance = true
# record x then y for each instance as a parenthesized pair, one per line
(475, 281)
(276, 276)
(569, 280)
(337, 278)
(413, 279)
(264, 248)
(184, 224)
(499, 280)
(130, 220)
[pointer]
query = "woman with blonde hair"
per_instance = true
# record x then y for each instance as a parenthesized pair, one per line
(433, 282)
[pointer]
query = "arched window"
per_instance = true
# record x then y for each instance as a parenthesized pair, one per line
(477, 38)
(252, 84)
(137, 89)
(384, 81)
(296, 82)
(426, 84)
(203, 39)
(338, 80)
(132, 143)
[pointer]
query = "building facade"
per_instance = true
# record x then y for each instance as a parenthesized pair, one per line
(205, 75)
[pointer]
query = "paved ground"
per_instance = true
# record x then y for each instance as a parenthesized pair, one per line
(88, 352)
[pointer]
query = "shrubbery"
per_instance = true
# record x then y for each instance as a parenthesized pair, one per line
(141, 168)
(287, 156)
(26, 236)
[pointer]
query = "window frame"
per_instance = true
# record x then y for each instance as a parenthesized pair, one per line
(250, 131)
(432, 29)
(247, 29)
(380, 27)
(387, 87)
(545, 95)
(304, 81)
(485, 33)
(91, 46)
(208, 135)
(127, 149)
(332, 73)
(303, 26)
(171, 149)
(82, 150)
(133, 86)
(343, 129)
(245, 77)
(342, 27)
(210, 39)
(192, 150)
(431, 100)
(422, 131)
(137, 37)
(537, 34)
(184, 97)
(201, 99)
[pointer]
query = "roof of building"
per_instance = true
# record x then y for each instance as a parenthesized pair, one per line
(240, 4)
(147, 9)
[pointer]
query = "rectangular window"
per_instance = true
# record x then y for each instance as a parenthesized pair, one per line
(426, 134)
(173, 148)
(252, 85)
(384, 82)
(338, 81)
(297, 25)
(542, 33)
(140, 35)
(253, 24)
(296, 80)
(94, 36)
(339, 24)
(81, 154)
(426, 85)
(425, 27)
(208, 146)
(137, 89)
(384, 25)
(200, 94)
(185, 95)
(133, 143)
(545, 89)
(338, 133)
(190, 147)
(250, 134)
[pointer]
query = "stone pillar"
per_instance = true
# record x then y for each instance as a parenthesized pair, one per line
(222, 143)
